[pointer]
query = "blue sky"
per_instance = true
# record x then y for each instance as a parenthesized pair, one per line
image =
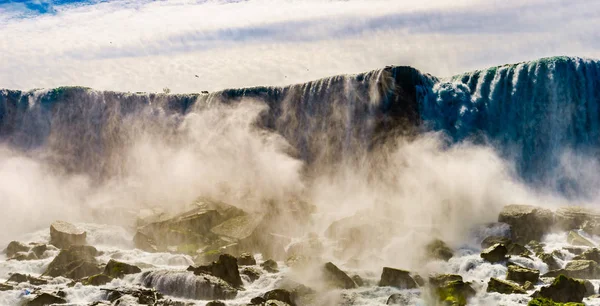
(147, 45)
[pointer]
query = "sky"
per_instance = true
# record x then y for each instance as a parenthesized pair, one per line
(196, 45)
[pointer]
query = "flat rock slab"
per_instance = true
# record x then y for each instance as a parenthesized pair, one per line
(64, 234)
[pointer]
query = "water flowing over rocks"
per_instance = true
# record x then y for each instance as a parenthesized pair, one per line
(188, 285)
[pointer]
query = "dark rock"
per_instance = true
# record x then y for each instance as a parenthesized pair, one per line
(575, 239)
(15, 247)
(252, 273)
(397, 278)
(144, 296)
(188, 285)
(22, 278)
(536, 246)
(504, 287)
(564, 290)
(518, 250)
(455, 293)
(21, 256)
(270, 266)
(39, 250)
(419, 280)
(360, 282)
(495, 253)
(98, 280)
(441, 280)
(398, 299)
(526, 222)
(280, 295)
(226, 268)
(491, 240)
(215, 303)
(5, 287)
(549, 260)
(76, 262)
(44, 299)
(64, 234)
(592, 254)
(337, 278)
(522, 275)
(528, 286)
(437, 249)
(117, 269)
(259, 300)
(575, 250)
(246, 259)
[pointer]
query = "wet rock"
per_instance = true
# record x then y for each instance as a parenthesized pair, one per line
(589, 287)
(548, 302)
(455, 293)
(438, 249)
(75, 262)
(518, 250)
(188, 285)
(280, 295)
(98, 280)
(504, 287)
(117, 269)
(337, 278)
(40, 250)
(252, 273)
(441, 280)
(44, 299)
(270, 266)
(574, 217)
(549, 260)
(144, 242)
(536, 246)
(215, 303)
(528, 286)
(522, 275)
(226, 268)
(246, 259)
(15, 247)
(259, 300)
(22, 278)
(143, 296)
(400, 279)
(6, 287)
(398, 299)
(584, 269)
(491, 240)
(64, 235)
(575, 250)
(592, 254)
(21, 256)
(360, 282)
(564, 290)
(495, 253)
(526, 222)
(575, 239)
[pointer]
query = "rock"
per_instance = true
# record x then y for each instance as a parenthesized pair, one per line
(22, 278)
(226, 268)
(522, 275)
(564, 290)
(252, 273)
(246, 259)
(585, 269)
(21, 256)
(547, 302)
(279, 295)
(455, 293)
(64, 234)
(437, 249)
(360, 282)
(536, 246)
(574, 217)
(592, 254)
(526, 222)
(589, 287)
(143, 296)
(495, 253)
(144, 242)
(441, 280)
(504, 287)
(591, 227)
(491, 240)
(44, 299)
(76, 262)
(575, 239)
(528, 286)
(117, 269)
(575, 250)
(6, 287)
(549, 260)
(40, 250)
(398, 299)
(518, 250)
(215, 303)
(188, 285)
(270, 266)
(397, 278)
(15, 247)
(337, 278)
(98, 280)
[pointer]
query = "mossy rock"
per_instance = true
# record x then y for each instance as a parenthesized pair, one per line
(98, 280)
(441, 280)
(119, 269)
(564, 290)
(400, 279)
(504, 287)
(522, 275)
(549, 302)
(455, 293)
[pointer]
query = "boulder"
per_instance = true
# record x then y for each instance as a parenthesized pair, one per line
(45, 298)
(252, 273)
(584, 269)
(547, 302)
(281, 295)
(575, 238)
(246, 259)
(98, 280)
(455, 293)
(188, 285)
(15, 247)
(22, 278)
(574, 217)
(504, 287)
(75, 262)
(226, 268)
(536, 246)
(40, 250)
(270, 266)
(526, 222)
(495, 253)
(528, 286)
(117, 269)
(517, 250)
(337, 278)
(575, 250)
(564, 290)
(215, 303)
(398, 299)
(438, 249)
(360, 282)
(400, 279)
(592, 254)
(491, 240)
(441, 280)
(6, 287)
(522, 275)
(64, 235)
(143, 296)
(549, 260)
(589, 287)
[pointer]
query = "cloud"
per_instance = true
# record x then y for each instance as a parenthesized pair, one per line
(147, 45)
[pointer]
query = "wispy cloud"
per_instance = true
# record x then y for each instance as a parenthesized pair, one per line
(147, 45)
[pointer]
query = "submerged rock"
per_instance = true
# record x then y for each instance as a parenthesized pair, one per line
(117, 269)
(188, 285)
(226, 268)
(526, 222)
(143, 296)
(564, 290)
(398, 299)
(438, 249)
(505, 287)
(337, 278)
(45, 298)
(522, 275)
(400, 279)
(575, 239)
(495, 253)
(76, 262)
(64, 235)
